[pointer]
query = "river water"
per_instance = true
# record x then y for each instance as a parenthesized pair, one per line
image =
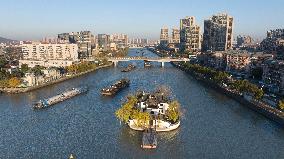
(212, 126)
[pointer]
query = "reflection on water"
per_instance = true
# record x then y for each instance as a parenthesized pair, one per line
(212, 126)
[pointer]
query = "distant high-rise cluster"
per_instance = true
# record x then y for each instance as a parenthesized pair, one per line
(217, 36)
(84, 40)
(243, 41)
(218, 33)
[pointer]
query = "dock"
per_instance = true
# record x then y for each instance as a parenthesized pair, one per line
(149, 139)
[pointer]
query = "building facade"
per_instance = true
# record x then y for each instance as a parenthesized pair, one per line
(175, 36)
(273, 76)
(218, 33)
(237, 61)
(164, 37)
(120, 40)
(274, 41)
(103, 41)
(190, 37)
(84, 39)
(48, 55)
(243, 41)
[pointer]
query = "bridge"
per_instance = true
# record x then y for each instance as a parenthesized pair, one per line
(162, 60)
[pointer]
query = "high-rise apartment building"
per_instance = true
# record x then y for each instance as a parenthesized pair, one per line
(218, 33)
(175, 36)
(190, 37)
(164, 37)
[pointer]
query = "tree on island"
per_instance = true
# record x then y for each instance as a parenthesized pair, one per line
(173, 112)
(281, 104)
(126, 111)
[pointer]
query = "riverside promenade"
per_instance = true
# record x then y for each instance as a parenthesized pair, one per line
(64, 78)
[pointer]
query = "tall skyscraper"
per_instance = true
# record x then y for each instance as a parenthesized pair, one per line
(164, 37)
(190, 37)
(218, 33)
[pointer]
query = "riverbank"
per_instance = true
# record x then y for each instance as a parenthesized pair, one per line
(256, 105)
(64, 78)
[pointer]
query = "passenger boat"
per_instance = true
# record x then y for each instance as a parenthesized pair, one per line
(44, 103)
(113, 89)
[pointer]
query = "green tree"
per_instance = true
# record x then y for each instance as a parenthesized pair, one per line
(37, 70)
(142, 118)
(281, 104)
(3, 62)
(4, 83)
(3, 75)
(126, 112)
(24, 68)
(14, 82)
(173, 112)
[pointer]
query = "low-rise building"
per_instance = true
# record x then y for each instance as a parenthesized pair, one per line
(237, 60)
(48, 75)
(273, 76)
(216, 60)
(31, 80)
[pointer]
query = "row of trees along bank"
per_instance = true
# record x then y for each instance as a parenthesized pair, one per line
(223, 79)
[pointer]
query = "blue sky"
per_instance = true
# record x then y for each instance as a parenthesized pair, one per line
(35, 19)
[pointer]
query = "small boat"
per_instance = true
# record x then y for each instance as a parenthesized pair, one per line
(147, 64)
(44, 103)
(149, 139)
(130, 67)
(113, 89)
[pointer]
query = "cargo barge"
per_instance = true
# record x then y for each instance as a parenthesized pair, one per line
(113, 89)
(44, 103)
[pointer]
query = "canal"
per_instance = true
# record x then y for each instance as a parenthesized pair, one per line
(213, 125)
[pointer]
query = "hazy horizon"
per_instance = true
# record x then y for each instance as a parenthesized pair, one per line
(36, 19)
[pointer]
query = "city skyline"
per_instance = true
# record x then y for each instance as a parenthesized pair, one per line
(38, 19)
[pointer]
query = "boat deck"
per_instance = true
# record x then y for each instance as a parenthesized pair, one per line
(149, 139)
